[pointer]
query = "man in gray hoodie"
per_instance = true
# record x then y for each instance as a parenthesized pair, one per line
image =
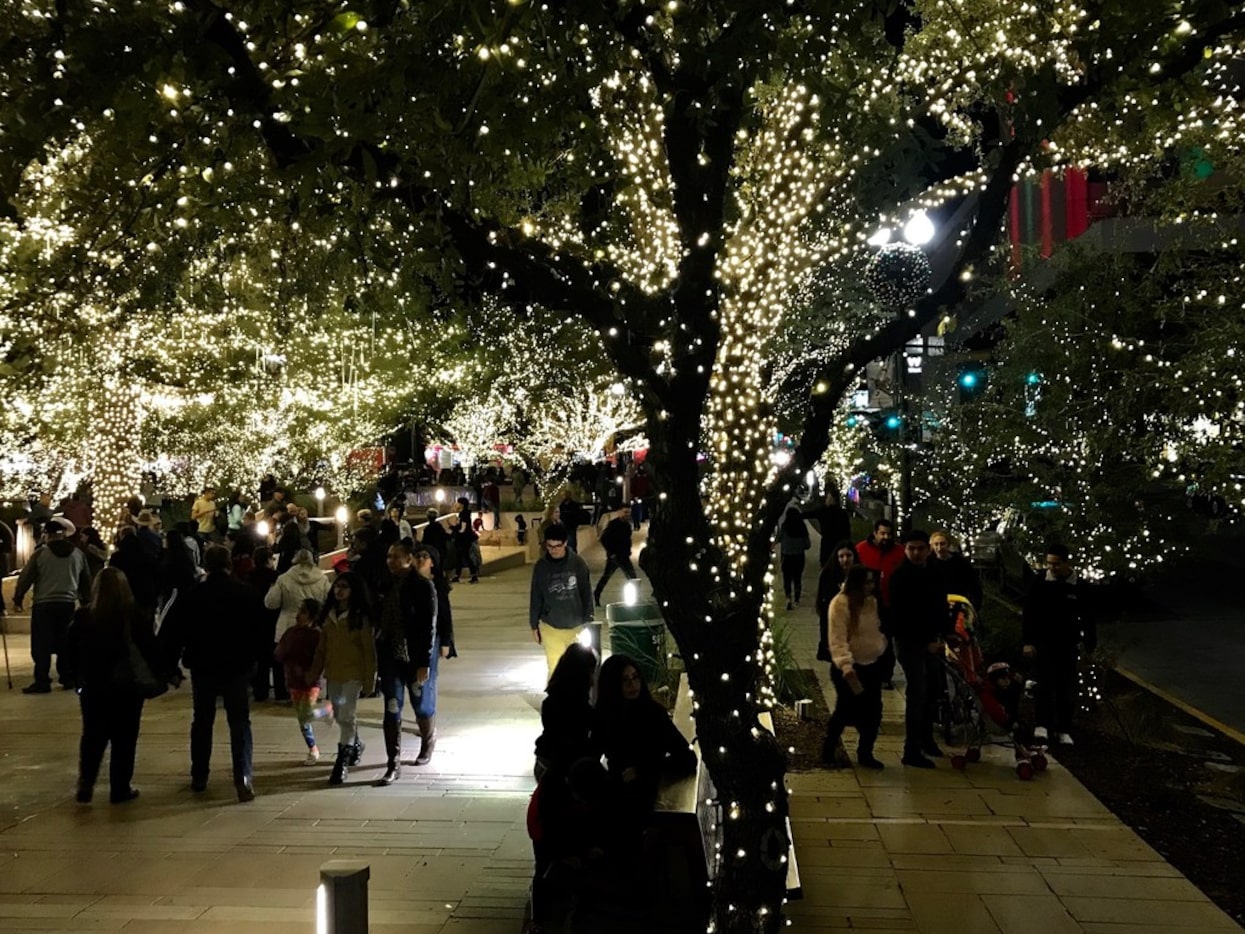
(60, 577)
(561, 597)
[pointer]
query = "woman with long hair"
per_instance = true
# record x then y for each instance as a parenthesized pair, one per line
(102, 635)
(637, 736)
(842, 558)
(856, 645)
(793, 542)
(346, 658)
(566, 712)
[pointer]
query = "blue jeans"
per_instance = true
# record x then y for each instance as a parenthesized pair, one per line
(235, 690)
(397, 680)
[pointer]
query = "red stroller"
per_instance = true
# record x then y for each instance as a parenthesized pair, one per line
(978, 696)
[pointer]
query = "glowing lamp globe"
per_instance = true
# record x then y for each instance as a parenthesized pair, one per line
(898, 274)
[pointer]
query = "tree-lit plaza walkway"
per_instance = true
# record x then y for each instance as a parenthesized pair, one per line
(902, 850)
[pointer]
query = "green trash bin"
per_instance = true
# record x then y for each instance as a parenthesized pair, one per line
(639, 631)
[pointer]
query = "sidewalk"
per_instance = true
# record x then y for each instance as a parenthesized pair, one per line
(448, 848)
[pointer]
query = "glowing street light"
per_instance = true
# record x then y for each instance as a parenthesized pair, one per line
(919, 230)
(320, 494)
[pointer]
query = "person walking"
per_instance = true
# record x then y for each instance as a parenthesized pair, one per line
(467, 550)
(59, 576)
(296, 653)
(793, 542)
(560, 599)
(830, 580)
(435, 538)
(407, 651)
(1058, 616)
(346, 659)
(203, 514)
(219, 636)
(616, 540)
(856, 647)
(919, 619)
(100, 639)
(303, 581)
(832, 523)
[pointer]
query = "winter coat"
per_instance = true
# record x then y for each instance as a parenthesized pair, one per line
(884, 562)
(299, 583)
(1060, 613)
(346, 654)
(616, 539)
(297, 653)
(958, 576)
(58, 572)
(919, 611)
(867, 645)
(220, 631)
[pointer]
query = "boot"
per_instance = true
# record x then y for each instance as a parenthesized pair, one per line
(355, 751)
(393, 749)
(341, 766)
(427, 739)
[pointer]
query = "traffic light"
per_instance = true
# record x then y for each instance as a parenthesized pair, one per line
(891, 422)
(972, 381)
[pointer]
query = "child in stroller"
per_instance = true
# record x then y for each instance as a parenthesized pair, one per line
(979, 696)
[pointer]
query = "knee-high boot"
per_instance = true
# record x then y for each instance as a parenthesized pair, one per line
(393, 750)
(427, 739)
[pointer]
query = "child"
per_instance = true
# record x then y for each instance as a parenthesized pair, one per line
(1000, 695)
(347, 657)
(297, 652)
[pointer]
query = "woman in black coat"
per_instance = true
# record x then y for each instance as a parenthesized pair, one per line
(566, 713)
(101, 636)
(640, 742)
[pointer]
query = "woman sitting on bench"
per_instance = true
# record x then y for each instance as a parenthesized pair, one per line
(640, 742)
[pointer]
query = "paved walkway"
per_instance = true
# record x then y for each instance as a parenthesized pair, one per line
(899, 850)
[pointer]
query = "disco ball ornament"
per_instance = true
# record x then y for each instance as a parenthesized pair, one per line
(899, 274)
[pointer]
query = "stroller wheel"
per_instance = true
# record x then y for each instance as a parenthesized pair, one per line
(973, 754)
(959, 762)
(1024, 771)
(1039, 762)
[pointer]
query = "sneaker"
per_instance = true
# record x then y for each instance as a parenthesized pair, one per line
(1040, 735)
(1065, 739)
(37, 688)
(313, 756)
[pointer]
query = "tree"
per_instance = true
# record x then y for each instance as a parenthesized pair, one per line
(669, 176)
(1109, 396)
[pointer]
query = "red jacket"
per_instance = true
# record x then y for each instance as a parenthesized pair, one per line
(884, 562)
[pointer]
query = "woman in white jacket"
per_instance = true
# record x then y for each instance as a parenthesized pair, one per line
(301, 582)
(856, 645)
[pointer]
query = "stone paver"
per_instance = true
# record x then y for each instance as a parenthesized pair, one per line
(448, 851)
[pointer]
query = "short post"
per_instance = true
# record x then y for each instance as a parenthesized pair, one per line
(341, 899)
(342, 516)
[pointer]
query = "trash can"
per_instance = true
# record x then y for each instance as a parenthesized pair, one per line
(637, 630)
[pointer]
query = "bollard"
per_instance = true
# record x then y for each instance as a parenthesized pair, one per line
(341, 899)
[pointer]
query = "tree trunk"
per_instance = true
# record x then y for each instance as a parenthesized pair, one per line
(116, 457)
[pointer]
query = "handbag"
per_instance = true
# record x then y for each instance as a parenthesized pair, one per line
(132, 675)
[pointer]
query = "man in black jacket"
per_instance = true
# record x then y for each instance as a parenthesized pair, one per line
(917, 621)
(956, 572)
(616, 540)
(1058, 614)
(218, 633)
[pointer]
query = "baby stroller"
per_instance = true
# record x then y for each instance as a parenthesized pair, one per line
(979, 696)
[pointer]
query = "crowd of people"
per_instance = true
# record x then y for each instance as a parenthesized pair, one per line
(882, 601)
(236, 596)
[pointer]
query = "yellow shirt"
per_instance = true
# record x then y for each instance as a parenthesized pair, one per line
(204, 512)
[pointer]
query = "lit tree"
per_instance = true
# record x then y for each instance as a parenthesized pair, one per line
(670, 176)
(1106, 398)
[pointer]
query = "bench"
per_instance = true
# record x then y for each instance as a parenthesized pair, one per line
(689, 803)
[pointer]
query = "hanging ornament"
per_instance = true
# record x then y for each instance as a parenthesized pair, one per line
(899, 274)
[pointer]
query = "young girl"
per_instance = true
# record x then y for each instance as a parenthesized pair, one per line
(856, 646)
(346, 656)
(297, 654)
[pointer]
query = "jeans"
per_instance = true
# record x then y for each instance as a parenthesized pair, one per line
(925, 674)
(613, 563)
(397, 680)
(108, 717)
(205, 689)
(344, 696)
(49, 621)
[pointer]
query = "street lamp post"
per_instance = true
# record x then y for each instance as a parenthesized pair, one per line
(342, 516)
(319, 502)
